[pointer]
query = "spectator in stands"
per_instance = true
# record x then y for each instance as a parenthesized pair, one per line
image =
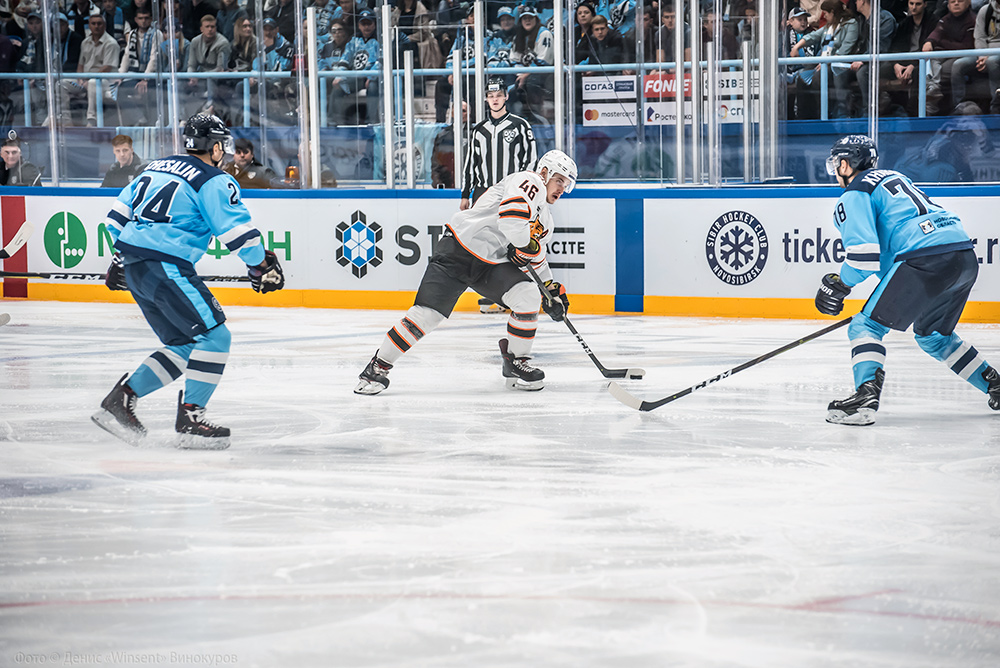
(248, 171)
(363, 52)
(443, 156)
(838, 37)
(605, 46)
(127, 164)
(18, 26)
(331, 57)
(79, 13)
(801, 103)
(15, 171)
(141, 55)
(130, 9)
(581, 31)
(99, 53)
(32, 61)
(501, 42)
(532, 48)
(8, 61)
(71, 44)
(886, 30)
(730, 47)
(414, 21)
(278, 54)
(649, 13)
(910, 36)
(955, 31)
(229, 16)
(283, 12)
(665, 35)
(208, 52)
(244, 50)
(179, 45)
(986, 36)
(324, 14)
(348, 13)
(114, 18)
(461, 47)
(191, 12)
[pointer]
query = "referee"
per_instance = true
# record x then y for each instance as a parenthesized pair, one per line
(501, 145)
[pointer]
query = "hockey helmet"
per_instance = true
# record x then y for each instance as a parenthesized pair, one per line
(203, 131)
(859, 151)
(557, 162)
(495, 83)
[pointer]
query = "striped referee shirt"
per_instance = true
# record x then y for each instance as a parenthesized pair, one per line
(500, 147)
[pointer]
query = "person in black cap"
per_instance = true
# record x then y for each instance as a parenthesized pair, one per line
(248, 171)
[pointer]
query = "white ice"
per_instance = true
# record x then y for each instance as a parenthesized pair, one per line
(450, 522)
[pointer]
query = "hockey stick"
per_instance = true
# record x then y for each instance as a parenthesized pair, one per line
(20, 238)
(72, 276)
(630, 400)
(633, 374)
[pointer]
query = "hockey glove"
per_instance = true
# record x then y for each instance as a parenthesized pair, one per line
(557, 303)
(830, 296)
(115, 280)
(267, 276)
(522, 257)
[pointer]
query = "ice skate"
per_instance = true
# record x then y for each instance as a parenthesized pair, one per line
(858, 409)
(490, 306)
(195, 432)
(374, 378)
(117, 414)
(518, 373)
(993, 379)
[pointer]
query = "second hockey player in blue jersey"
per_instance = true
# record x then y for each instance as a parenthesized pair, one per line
(162, 224)
(926, 268)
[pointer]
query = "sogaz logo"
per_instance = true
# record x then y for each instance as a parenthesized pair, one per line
(65, 240)
(736, 248)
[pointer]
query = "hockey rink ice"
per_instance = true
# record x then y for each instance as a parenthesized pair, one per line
(450, 522)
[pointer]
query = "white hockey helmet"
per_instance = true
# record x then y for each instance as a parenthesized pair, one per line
(557, 162)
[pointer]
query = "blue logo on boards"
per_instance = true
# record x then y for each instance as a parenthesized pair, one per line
(736, 247)
(624, 86)
(358, 244)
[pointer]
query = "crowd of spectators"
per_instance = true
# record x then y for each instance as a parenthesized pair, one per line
(220, 36)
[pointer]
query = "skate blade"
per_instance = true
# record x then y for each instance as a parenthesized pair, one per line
(108, 423)
(864, 417)
(192, 442)
(369, 388)
(493, 308)
(526, 385)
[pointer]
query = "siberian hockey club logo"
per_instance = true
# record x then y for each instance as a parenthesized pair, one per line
(736, 247)
(358, 244)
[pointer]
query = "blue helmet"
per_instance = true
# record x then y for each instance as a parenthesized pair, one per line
(859, 151)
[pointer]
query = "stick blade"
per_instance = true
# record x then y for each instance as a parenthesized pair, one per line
(636, 374)
(623, 395)
(20, 238)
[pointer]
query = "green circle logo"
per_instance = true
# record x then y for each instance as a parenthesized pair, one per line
(65, 240)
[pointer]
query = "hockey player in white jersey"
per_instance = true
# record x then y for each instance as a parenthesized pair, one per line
(485, 248)
(926, 268)
(162, 224)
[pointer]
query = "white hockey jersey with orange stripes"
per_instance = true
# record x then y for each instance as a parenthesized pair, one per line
(511, 212)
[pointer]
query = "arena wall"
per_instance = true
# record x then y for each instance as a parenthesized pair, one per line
(748, 252)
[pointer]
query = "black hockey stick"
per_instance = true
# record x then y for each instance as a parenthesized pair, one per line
(633, 374)
(632, 401)
(20, 238)
(74, 276)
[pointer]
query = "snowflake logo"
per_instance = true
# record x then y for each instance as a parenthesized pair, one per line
(358, 244)
(736, 247)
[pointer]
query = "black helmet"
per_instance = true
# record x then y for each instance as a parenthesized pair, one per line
(858, 150)
(203, 131)
(495, 83)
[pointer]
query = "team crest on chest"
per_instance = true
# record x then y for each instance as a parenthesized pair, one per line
(509, 135)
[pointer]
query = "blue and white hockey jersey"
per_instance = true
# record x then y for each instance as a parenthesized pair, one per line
(171, 211)
(362, 54)
(883, 218)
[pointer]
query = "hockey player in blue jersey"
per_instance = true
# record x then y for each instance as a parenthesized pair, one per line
(926, 268)
(162, 224)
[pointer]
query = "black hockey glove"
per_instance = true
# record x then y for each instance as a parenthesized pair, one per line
(522, 257)
(556, 304)
(830, 296)
(267, 276)
(115, 280)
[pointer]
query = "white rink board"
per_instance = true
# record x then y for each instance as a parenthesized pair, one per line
(676, 239)
(584, 237)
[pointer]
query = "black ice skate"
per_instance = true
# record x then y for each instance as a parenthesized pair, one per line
(859, 408)
(490, 306)
(519, 374)
(993, 379)
(197, 433)
(374, 378)
(117, 414)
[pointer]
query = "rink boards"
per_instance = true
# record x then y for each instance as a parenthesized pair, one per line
(753, 253)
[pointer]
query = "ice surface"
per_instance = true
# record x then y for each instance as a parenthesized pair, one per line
(451, 522)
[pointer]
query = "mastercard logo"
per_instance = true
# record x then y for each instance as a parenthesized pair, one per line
(591, 115)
